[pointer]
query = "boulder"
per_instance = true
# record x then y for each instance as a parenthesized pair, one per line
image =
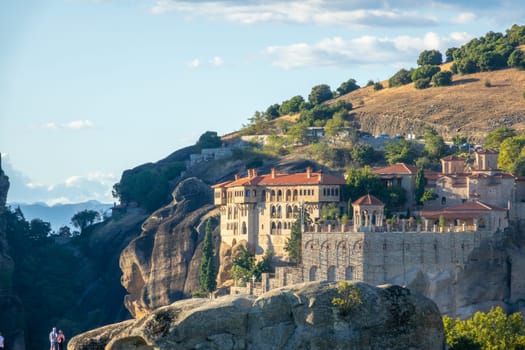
(297, 317)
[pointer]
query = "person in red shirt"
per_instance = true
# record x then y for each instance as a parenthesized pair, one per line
(61, 340)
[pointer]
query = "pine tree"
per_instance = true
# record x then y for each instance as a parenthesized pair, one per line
(207, 271)
(420, 186)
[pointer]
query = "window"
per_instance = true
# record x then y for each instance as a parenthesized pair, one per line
(331, 274)
(443, 200)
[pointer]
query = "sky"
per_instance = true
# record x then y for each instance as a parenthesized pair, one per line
(89, 88)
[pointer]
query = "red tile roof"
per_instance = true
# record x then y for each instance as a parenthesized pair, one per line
(467, 210)
(398, 168)
(275, 178)
(368, 200)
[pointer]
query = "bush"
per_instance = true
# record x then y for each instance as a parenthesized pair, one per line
(422, 83)
(349, 297)
(430, 57)
(378, 86)
(442, 79)
(423, 72)
(488, 83)
(402, 77)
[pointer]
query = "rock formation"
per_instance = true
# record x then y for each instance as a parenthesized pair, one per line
(492, 276)
(11, 321)
(300, 317)
(162, 264)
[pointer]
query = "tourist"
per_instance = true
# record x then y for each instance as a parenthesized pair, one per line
(1, 341)
(53, 339)
(61, 340)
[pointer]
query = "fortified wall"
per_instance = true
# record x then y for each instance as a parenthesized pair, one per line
(384, 257)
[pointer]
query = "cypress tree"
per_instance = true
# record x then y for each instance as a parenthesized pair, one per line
(420, 186)
(207, 271)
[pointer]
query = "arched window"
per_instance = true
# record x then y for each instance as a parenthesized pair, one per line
(443, 200)
(279, 211)
(313, 273)
(273, 228)
(279, 195)
(331, 274)
(294, 195)
(288, 195)
(272, 211)
(244, 230)
(349, 273)
(289, 212)
(263, 195)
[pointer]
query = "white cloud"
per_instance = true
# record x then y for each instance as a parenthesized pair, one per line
(463, 18)
(349, 13)
(364, 50)
(216, 61)
(194, 63)
(78, 124)
(72, 125)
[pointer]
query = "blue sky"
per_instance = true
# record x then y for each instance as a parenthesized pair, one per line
(89, 88)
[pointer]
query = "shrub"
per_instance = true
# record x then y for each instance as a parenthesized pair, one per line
(402, 77)
(349, 297)
(422, 83)
(488, 83)
(378, 86)
(442, 79)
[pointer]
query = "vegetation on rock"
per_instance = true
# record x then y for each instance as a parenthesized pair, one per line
(349, 298)
(486, 331)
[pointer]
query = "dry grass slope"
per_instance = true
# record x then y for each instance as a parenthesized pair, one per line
(468, 107)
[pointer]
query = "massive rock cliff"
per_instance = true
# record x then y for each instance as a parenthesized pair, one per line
(300, 317)
(11, 321)
(162, 264)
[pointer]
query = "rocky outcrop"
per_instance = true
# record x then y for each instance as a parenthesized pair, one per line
(491, 276)
(300, 317)
(11, 321)
(162, 264)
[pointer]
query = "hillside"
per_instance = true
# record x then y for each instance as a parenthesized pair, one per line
(467, 107)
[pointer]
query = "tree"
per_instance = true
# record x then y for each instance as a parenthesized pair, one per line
(420, 186)
(363, 154)
(424, 72)
(347, 87)
(422, 83)
(362, 181)
(442, 79)
(64, 231)
(459, 140)
(293, 244)
(335, 125)
(319, 94)
(272, 111)
(244, 266)
(378, 86)
(449, 54)
(491, 330)
(509, 152)
(207, 271)
(516, 35)
(402, 77)
(496, 137)
(517, 59)
(209, 140)
(400, 151)
(430, 57)
(39, 230)
(293, 105)
(84, 219)
(435, 146)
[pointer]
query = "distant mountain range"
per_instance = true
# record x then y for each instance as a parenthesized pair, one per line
(59, 214)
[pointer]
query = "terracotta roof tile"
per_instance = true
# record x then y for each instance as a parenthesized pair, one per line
(368, 200)
(465, 210)
(398, 168)
(312, 178)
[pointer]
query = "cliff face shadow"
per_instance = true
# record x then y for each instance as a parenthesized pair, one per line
(465, 81)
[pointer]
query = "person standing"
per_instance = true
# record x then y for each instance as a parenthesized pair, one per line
(1, 341)
(53, 339)
(61, 340)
